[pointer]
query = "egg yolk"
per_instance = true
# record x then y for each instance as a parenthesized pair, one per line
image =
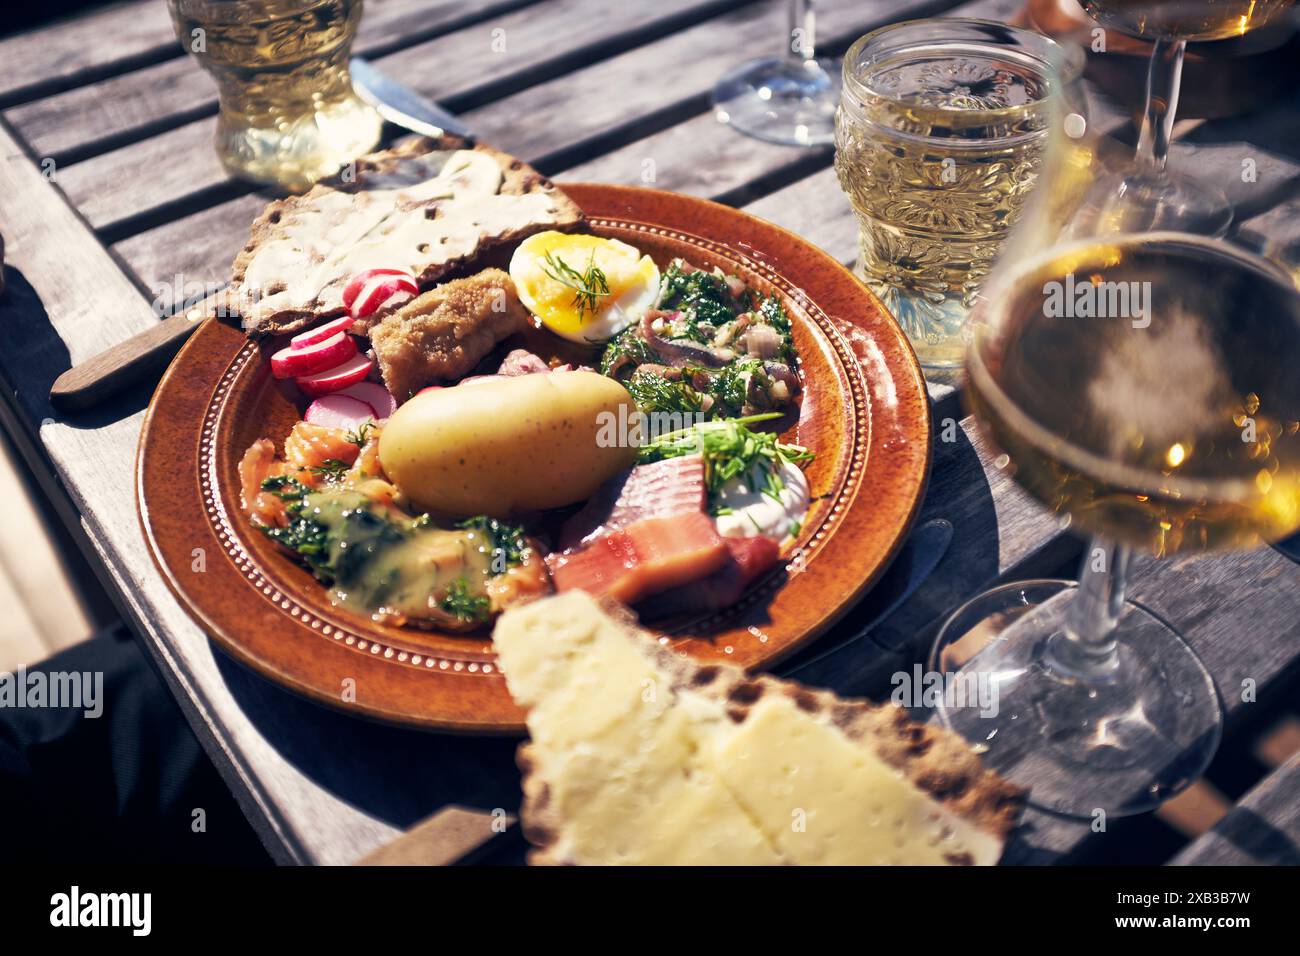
(556, 302)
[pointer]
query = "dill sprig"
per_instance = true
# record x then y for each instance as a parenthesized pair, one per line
(361, 435)
(588, 287)
(331, 469)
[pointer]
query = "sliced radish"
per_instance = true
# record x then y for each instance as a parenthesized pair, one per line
(291, 362)
(369, 291)
(381, 403)
(338, 378)
(355, 284)
(339, 411)
(321, 332)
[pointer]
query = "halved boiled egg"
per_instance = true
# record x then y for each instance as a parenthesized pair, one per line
(584, 288)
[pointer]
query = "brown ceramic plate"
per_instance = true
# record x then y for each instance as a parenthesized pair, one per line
(864, 411)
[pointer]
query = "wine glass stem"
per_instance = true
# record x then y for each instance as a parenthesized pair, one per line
(802, 39)
(1087, 646)
(1163, 78)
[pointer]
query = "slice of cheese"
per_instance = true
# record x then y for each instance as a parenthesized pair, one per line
(824, 799)
(636, 757)
(613, 747)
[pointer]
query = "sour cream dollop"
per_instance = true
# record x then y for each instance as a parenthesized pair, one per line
(748, 510)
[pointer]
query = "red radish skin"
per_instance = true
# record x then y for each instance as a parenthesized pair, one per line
(339, 411)
(293, 362)
(358, 281)
(381, 403)
(336, 379)
(368, 292)
(321, 332)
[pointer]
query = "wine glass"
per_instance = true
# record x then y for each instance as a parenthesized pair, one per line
(1151, 197)
(1141, 385)
(788, 99)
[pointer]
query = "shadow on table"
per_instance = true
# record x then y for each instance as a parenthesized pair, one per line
(959, 492)
(398, 775)
(31, 345)
(34, 356)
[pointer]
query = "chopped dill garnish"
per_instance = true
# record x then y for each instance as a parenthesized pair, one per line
(730, 449)
(654, 393)
(506, 540)
(331, 469)
(628, 345)
(701, 297)
(463, 604)
(588, 287)
(284, 487)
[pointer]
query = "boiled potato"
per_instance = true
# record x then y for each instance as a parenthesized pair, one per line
(507, 445)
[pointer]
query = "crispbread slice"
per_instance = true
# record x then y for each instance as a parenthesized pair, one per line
(429, 206)
(629, 736)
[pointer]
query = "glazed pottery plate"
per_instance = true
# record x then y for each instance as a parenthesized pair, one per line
(863, 411)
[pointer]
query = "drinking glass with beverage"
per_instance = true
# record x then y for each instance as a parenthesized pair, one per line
(288, 112)
(938, 139)
(1151, 197)
(1142, 387)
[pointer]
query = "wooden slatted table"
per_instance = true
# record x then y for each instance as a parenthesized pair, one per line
(110, 192)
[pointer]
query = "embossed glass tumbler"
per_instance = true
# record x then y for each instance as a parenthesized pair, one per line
(938, 138)
(289, 115)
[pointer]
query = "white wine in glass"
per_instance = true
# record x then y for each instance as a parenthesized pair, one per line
(1142, 387)
(1151, 197)
(1169, 423)
(1183, 19)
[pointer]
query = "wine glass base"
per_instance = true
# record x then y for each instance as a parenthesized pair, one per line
(781, 100)
(1143, 202)
(1084, 738)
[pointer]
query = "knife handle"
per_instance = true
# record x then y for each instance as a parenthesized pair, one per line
(113, 371)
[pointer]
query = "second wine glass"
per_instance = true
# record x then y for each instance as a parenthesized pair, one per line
(788, 99)
(1150, 196)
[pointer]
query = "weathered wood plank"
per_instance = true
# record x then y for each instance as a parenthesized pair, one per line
(458, 52)
(655, 81)
(66, 52)
(1263, 829)
(200, 246)
(173, 91)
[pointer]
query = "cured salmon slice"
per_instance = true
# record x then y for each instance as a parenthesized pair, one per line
(644, 558)
(660, 489)
(747, 560)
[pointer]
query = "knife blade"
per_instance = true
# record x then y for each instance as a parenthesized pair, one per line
(919, 556)
(401, 105)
